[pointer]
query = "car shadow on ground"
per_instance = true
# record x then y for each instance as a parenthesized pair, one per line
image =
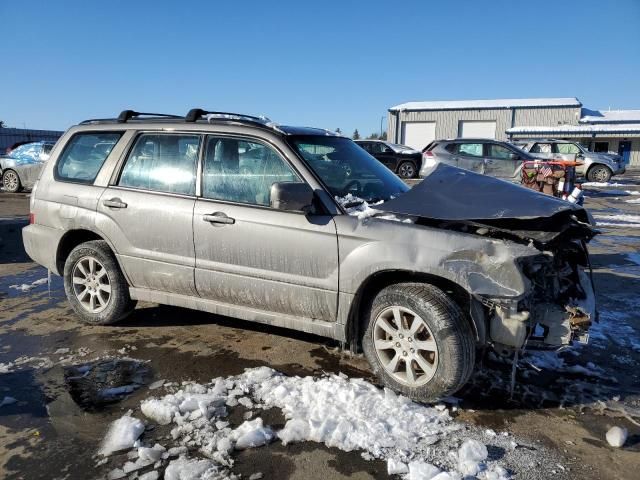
(11, 249)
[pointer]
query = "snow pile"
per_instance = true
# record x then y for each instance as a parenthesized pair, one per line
(25, 287)
(349, 414)
(122, 434)
(360, 208)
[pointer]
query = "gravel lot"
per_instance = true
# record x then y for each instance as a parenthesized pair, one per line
(558, 413)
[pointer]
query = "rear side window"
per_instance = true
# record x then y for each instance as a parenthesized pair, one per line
(451, 148)
(84, 156)
(163, 163)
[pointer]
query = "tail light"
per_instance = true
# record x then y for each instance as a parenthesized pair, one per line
(32, 218)
(428, 153)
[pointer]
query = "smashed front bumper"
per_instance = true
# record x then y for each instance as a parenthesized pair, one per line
(557, 313)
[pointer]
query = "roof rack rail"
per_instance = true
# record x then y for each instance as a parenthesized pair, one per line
(126, 115)
(197, 113)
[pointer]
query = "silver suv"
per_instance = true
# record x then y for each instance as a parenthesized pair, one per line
(482, 155)
(302, 229)
(596, 167)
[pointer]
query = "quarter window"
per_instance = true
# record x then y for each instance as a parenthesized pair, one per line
(473, 149)
(242, 171)
(567, 148)
(84, 156)
(163, 163)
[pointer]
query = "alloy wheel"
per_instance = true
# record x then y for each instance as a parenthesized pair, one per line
(407, 170)
(91, 284)
(405, 346)
(11, 181)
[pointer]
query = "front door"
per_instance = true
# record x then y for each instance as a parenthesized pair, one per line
(148, 213)
(252, 255)
(384, 154)
(502, 162)
(624, 150)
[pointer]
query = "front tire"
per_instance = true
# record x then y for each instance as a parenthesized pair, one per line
(95, 285)
(11, 181)
(418, 341)
(599, 173)
(406, 170)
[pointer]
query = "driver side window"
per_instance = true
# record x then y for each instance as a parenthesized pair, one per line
(241, 171)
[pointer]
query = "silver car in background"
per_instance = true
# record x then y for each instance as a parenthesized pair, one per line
(596, 167)
(21, 168)
(481, 155)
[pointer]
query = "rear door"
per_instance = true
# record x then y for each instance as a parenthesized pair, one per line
(148, 213)
(470, 156)
(502, 162)
(250, 254)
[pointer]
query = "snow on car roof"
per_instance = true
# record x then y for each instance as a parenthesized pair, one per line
(480, 104)
(610, 116)
(606, 128)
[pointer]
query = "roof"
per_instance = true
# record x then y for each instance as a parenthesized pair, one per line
(489, 104)
(610, 116)
(607, 128)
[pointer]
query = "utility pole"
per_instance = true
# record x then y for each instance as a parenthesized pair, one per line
(381, 120)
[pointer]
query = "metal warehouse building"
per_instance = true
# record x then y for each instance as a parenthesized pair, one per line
(11, 136)
(418, 123)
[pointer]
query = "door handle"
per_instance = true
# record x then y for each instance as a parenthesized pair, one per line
(114, 203)
(219, 217)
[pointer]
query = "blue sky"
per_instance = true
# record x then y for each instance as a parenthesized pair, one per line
(328, 64)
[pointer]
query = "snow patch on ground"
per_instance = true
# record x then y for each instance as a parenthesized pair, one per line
(416, 441)
(25, 287)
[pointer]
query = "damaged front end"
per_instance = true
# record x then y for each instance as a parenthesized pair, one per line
(559, 304)
(558, 308)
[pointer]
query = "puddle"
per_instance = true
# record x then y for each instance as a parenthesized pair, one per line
(96, 385)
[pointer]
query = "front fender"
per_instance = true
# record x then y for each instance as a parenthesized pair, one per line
(481, 266)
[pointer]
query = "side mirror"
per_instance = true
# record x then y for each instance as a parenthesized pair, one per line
(514, 156)
(291, 196)
(387, 150)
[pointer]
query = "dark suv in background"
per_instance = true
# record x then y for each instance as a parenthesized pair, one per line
(403, 160)
(480, 155)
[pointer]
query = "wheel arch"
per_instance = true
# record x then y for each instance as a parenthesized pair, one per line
(472, 309)
(71, 239)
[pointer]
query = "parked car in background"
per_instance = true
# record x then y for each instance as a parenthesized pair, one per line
(403, 160)
(596, 167)
(480, 155)
(238, 216)
(20, 168)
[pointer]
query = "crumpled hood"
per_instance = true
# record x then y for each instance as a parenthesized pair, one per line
(452, 194)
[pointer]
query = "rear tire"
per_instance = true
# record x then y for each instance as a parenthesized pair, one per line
(599, 173)
(426, 360)
(407, 170)
(11, 181)
(95, 285)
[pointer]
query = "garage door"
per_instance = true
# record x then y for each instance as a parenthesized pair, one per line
(418, 134)
(476, 129)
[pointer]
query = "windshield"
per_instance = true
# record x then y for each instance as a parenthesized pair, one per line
(346, 169)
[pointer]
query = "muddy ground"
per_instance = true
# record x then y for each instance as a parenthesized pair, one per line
(55, 427)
